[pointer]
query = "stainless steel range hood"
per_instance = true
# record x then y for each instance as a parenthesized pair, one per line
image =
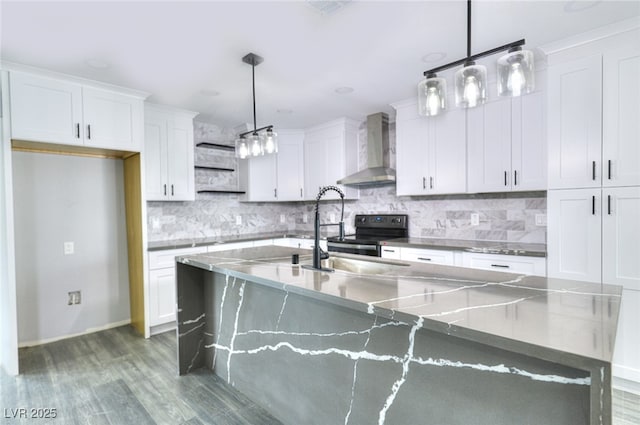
(378, 171)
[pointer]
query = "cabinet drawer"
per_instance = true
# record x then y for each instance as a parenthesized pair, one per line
(392, 252)
(166, 258)
(432, 256)
(505, 263)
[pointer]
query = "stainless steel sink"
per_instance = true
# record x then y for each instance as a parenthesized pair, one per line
(358, 266)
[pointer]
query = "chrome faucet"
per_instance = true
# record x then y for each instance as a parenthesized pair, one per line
(318, 253)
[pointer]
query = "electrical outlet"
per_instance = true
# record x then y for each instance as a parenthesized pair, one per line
(475, 219)
(305, 218)
(155, 223)
(75, 297)
(541, 219)
(69, 248)
(238, 220)
(282, 219)
(332, 217)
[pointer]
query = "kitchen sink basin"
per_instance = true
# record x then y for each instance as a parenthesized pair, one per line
(353, 265)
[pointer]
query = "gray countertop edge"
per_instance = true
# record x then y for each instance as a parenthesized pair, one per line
(475, 246)
(194, 243)
(476, 336)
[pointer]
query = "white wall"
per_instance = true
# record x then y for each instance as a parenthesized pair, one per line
(8, 323)
(59, 199)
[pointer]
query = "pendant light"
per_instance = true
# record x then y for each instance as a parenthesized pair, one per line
(515, 77)
(253, 143)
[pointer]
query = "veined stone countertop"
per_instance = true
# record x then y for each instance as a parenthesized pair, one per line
(568, 322)
(485, 247)
(195, 242)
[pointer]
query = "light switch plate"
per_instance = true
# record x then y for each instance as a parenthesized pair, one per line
(69, 248)
(282, 218)
(541, 219)
(475, 219)
(305, 218)
(238, 220)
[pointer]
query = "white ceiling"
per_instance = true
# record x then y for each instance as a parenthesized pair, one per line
(177, 50)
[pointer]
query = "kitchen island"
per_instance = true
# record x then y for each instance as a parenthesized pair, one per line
(388, 342)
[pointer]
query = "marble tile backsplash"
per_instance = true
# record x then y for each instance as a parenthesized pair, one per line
(503, 216)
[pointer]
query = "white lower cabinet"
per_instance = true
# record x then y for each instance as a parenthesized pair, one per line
(626, 356)
(161, 298)
(505, 263)
(391, 252)
(431, 256)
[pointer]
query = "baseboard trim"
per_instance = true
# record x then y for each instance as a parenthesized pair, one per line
(87, 331)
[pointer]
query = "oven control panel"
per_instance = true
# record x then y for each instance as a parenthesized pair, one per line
(392, 221)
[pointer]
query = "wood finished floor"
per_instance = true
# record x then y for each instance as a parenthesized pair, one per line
(115, 377)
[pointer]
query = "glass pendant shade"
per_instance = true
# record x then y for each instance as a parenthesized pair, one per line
(471, 85)
(516, 73)
(270, 142)
(255, 145)
(432, 94)
(242, 148)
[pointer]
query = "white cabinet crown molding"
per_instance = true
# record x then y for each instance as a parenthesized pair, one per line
(45, 73)
(156, 107)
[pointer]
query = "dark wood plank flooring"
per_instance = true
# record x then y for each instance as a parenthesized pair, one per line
(115, 377)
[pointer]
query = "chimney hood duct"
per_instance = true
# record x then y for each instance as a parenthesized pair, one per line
(378, 171)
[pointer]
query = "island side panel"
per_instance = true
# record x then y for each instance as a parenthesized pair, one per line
(191, 317)
(303, 359)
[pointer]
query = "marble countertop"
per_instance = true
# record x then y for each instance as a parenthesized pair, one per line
(485, 247)
(565, 321)
(194, 242)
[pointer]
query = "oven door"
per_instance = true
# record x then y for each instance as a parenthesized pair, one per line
(372, 250)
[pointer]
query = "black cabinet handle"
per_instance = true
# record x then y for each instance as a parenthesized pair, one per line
(88, 131)
(505, 178)
(424, 182)
(609, 204)
(609, 169)
(171, 190)
(301, 192)
(515, 177)
(593, 205)
(77, 130)
(501, 266)
(424, 259)
(165, 190)
(275, 193)
(593, 170)
(389, 250)
(430, 182)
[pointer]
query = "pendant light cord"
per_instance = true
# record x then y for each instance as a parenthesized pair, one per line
(468, 29)
(253, 82)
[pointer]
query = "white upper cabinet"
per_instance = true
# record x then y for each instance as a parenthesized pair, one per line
(621, 117)
(67, 113)
(574, 111)
(593, 110)
(507, 145)
(168, 154)
(330, 153)
(276, 177)
(430, 151)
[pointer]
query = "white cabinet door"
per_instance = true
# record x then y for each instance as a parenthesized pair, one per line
(428, 256)
(112, 120)
(162, 296)
(621, 237)
(261, 178)
(489, 144)
(411, 151)
(626, 356)
(330, 153)
(505, 263)
(290, 166)
(574, 119)
(45, 110)
(574, 234)
(447, 147)
(155, 158)
(528, 143)
(180, 159)
(621, 117)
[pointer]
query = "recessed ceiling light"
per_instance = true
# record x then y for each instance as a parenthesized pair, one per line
(97, 63)
(284, 111)
(580, 5)
(434, 57)
(209, 93)
(344, 90)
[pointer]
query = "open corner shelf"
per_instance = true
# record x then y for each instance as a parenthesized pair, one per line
(237, 192)
(211, 145)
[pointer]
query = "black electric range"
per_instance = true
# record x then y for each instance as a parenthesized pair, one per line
(371, 229)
